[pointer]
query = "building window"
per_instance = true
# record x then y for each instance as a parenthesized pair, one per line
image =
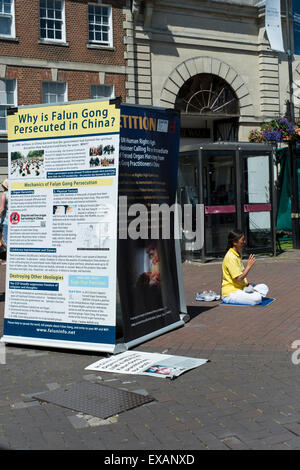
(52, 20)
(54, 92)
(100, 24)
(8, 98)
(100, 92)
(7, 18)
(207, 94)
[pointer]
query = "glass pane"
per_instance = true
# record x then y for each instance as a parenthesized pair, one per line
(258, 231)
(52, 99)
(57, 34)
(43, 13)
(60, 88)
(3, 98)
(7, 92)
(257, 179)
(5, 26)
(3, 118)
(10, 98)
(217, 227)
(188, 193)
(57, 25)
(7, 7)
(101, 91)
(43, 33)
(188, 180)
(105, 37)
(2, 124)
(219, 179)
(50, 13)
(10, 85)
(42, 3)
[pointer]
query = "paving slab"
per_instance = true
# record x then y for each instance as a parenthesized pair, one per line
(244, 398)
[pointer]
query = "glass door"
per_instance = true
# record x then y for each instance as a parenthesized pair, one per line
(219, 197)
(188, 193)
(257, 202)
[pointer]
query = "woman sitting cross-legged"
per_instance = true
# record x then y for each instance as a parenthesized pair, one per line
(235, 287)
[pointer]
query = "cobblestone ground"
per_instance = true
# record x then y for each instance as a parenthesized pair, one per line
(246, 397)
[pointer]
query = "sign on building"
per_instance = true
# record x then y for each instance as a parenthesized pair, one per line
(273, 25)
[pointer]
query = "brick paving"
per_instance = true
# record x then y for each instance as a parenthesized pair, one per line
(246, 397)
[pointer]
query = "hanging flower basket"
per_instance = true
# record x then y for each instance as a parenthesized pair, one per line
(276, 131)
(256, 136)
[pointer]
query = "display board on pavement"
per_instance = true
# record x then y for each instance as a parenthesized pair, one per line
(62, 203)
(70, 268)
(147, 271)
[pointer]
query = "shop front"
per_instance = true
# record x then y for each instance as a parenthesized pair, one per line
(235, 183)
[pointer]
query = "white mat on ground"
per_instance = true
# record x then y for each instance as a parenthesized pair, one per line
(152, 364)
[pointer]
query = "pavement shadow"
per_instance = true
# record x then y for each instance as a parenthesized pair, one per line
(45, 348)
(194, 311)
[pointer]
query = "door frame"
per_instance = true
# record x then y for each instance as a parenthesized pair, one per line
(202, 157)
(255, 153)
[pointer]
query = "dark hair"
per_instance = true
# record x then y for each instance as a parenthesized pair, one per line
(233, 237)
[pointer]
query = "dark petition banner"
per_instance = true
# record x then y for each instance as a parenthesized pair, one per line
(147, 273)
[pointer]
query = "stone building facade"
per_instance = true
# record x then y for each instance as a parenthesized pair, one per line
(211, 59)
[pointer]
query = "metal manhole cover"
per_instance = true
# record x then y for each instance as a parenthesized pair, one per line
(94, 399)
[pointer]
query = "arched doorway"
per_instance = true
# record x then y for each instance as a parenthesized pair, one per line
(209, 109)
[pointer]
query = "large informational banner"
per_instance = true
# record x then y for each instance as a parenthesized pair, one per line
(147, 271)
(273, 25)
(80, 274)
(296, 26)
(63, 189)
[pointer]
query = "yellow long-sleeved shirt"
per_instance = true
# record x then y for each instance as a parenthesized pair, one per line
(232, 267)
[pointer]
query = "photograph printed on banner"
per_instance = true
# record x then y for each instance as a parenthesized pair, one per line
(28, 166)
(101, 156)
(94, 236)
(147, 282)
(64, 210)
